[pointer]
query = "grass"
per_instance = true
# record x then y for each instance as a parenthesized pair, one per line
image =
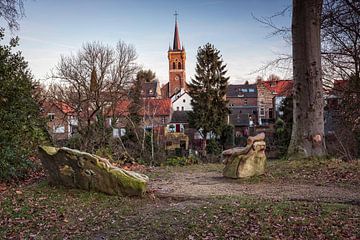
(320, 171)
(43, 212)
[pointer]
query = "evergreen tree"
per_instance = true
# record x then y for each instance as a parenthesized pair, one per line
(208, 91)
(21, 128)
(146, 75)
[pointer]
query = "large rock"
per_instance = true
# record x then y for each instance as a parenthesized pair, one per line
(248, 161)
(76, 169)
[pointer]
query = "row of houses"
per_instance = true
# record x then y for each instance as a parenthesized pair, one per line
(251, 105)
(165, 107)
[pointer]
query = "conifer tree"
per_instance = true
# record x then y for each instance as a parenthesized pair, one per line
(208, 91)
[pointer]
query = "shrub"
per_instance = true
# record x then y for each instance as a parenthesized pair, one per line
(213, 147)
(282, 137)
(181, 161)
(21, 128)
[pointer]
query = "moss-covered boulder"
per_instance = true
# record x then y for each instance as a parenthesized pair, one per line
(76, 169)
(248, 161)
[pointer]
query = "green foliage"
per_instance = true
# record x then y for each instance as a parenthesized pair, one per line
(146, 76)
(21, 128)
(283, 127)
(213, 147)
(241, 141)
(74, 142)
(181, 161)
(208, 91)
(227, 138)
(281, 137)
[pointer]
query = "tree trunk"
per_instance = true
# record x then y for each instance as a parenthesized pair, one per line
(307, 137)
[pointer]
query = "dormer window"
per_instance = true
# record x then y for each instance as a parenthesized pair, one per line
(51, 116)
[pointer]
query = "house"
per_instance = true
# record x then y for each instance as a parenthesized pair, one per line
(178, 133)
(181, 101)
(333, 96)
(267, 90)
(151, 89)
(155, 113)
(242, 102)
(61, 119)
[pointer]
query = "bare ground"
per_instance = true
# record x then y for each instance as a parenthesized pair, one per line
(209, 182)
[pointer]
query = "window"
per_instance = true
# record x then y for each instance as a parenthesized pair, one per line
(150, 91)
(179, 65)
(245, 101)
(174, 65)
(262, 111)
(177, 108)
(51, 116)
(271, 113)
(59, 129)
(182, 108)
(244, 90)
(183, 100)
(251, 90)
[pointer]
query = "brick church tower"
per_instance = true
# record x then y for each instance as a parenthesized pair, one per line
(177, 59)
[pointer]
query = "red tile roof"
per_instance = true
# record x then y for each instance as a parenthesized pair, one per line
(156, 107)
(159, 107)
(63, 107)
(279, 87)
(340, 85)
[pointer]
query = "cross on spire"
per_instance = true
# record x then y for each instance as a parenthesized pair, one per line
(176, 15)
(176, 44)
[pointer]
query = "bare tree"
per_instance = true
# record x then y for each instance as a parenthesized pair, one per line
(93, 80)
(307, 137)
(12, 11)
(341, 39)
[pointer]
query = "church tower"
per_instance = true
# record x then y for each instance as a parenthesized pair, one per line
(177, 60)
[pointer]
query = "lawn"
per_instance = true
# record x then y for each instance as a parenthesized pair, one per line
(39, 211)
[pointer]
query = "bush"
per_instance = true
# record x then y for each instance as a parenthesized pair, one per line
(282, 137)
(227, 138)
(21, 128)
(213, 147)
(181, 161)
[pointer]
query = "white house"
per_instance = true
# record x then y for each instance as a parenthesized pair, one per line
(181, 101)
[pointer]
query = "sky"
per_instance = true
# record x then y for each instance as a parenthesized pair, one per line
(52, 28)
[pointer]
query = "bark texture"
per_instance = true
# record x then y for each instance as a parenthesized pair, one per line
(308, 122)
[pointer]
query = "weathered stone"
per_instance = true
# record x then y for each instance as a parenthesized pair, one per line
(76, 169)
(248, 161)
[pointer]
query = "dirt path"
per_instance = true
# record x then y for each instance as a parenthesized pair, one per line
(203, 184)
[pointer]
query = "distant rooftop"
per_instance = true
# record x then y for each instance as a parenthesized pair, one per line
(242, 90)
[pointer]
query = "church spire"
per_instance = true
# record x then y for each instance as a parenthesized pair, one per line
(176, 44)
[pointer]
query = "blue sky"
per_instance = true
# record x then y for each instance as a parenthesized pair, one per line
(54, 28)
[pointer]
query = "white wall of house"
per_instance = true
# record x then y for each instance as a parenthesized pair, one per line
(182, 102)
